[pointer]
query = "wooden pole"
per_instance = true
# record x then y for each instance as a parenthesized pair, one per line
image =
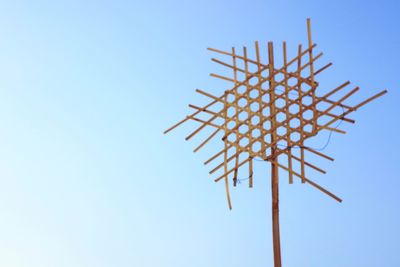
(274, 167)
(275, 216)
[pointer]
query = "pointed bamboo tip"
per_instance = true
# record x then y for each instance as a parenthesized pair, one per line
(309, 28)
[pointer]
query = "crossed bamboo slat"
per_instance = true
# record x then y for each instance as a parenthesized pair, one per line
(271, 130)
(268, 114)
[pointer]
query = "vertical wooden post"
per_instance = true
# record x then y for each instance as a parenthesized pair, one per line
(226, 155)
(235, 83)
(287, 99)
(274, 166)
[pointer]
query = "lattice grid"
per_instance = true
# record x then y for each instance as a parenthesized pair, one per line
(270, 112)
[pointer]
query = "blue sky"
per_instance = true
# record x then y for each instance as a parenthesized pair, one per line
(88, 179)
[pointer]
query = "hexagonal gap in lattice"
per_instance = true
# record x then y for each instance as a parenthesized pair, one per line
(308, 128)
(281, 131)
(265, 73)
(280, 117)
(232, 137)
(279, 77)
(256, 147)
(242, 102)
(267, 138)
(231, 112)
(294, 123)
(294, 108)
(307, 100)
(280, 102)
(243, 116)
(255, 120)
(265, 97)
(268, 152)
(305, 88)
(231, 124)
(230, 98)
(292, 81)
(241, 89)
(244, 128)
(243, 142)
(267, 125)
(255, 106)
(295, 136)
(255, 133)
(280, 90)
(308, 114)
(253, 81)
(254, 93)
(265, 111)
(293, 94)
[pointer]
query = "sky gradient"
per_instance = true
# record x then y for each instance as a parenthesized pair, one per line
(87, 179)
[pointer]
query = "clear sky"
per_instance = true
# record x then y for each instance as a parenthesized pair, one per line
(87, 179)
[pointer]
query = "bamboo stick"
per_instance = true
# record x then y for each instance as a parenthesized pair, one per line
(312, 75)
(289, 143)
(249, 112)
(300, 102)
(226, 170)
(236, 115)
(231, 170)
(311, 183)
(206, 141)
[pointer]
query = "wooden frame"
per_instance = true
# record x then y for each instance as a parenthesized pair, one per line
(275, 110)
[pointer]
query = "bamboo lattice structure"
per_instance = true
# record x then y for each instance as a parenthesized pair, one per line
(268, 114)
